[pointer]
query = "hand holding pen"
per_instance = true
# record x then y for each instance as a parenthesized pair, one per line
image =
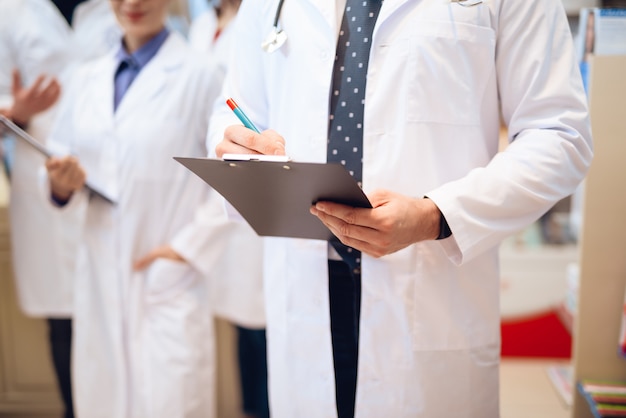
(247, 139)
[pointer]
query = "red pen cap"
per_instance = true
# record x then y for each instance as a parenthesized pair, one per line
(231, 103)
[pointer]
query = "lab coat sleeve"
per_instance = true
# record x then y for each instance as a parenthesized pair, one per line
(41, 40)
(34, 39)
(245, 79)
(6, 60)
(202, 31)
(544, 106)
(199, 242)
(60, 142)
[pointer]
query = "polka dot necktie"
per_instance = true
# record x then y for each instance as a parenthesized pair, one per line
(347, 100)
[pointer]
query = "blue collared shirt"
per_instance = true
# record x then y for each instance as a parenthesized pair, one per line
(129, 65)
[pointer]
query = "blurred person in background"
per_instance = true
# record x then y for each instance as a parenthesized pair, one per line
(143, 330)
(35, 52)
(237, 290)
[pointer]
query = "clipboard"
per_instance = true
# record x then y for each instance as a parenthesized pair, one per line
(37, 146)
(275, 197)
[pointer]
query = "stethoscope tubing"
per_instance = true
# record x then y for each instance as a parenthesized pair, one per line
(278, 10)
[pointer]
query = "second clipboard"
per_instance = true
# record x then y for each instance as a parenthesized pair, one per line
(33, 143)
(275, 197)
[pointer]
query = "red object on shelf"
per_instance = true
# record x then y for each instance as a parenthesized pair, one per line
(542, 335)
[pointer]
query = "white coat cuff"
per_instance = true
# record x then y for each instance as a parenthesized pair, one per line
(449, 245)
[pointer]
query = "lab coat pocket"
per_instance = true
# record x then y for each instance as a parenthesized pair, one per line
(431, 323)
(166, 279)
(450, 64)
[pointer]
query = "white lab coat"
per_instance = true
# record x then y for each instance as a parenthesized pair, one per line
(95, 28)
(202, 38)
(143, 341)
(429, 334)
(236, 286)
(34, 39)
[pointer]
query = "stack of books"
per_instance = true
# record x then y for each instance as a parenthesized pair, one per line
(606, 399)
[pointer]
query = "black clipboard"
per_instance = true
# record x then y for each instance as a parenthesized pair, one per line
(37, 146)
(275, 197)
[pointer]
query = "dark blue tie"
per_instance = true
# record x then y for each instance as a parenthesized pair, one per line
(345, 137)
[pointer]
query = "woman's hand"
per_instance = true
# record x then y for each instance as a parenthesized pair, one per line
(27, 102)
(66, 176)
(164, 251)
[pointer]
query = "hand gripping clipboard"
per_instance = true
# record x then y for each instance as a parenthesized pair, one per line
(23, 135)
(275, 197)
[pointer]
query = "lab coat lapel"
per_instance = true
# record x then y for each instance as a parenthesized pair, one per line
(151, 81)
(102, 78)
(388, 9)
(327, 9)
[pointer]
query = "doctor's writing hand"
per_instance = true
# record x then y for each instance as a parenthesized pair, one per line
(27, 102)
(395, 222)
(164, 251)
(240, 140)
(66, 176)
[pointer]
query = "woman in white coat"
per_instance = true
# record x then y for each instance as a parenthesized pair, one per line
(439, 74)
(143, 334)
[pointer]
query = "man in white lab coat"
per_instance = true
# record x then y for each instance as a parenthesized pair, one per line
(143, 330)
(440, 74)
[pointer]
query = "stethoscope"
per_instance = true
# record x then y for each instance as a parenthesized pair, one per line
(276, 37)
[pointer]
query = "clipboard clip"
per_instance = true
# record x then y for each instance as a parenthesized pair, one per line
(256, 157)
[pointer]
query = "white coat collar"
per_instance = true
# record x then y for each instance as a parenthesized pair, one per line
(151, 81)
(327, 9)
(147, 86)
(389, 8)
(332, 10)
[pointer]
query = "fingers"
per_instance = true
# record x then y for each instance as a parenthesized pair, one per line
(40, 96)
(348, 215)
(241, 140)
(66, 176)
(165, 252)
(274, 145)
(50, 94)
(351, 225)
(395, 222)
(16, 84)
(144, 262)
(36, 86)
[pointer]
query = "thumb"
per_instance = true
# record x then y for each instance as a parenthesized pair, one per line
(16, 85)
(144, 261)
(378, 197)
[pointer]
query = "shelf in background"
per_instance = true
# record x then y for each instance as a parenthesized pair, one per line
(605, 399)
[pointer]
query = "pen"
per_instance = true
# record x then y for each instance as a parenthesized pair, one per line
(242, 116)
